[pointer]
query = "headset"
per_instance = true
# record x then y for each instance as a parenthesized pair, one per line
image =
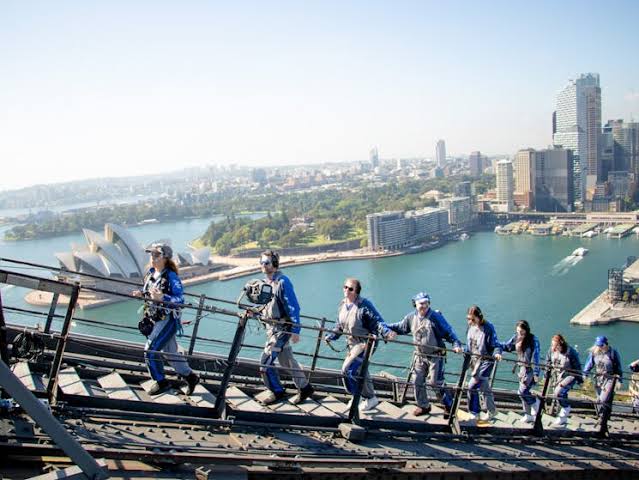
(420, 296)
(274, 256)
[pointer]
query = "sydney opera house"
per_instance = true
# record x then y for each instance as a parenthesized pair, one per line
(118, 255)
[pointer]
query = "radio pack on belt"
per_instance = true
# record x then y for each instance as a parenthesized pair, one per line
(258, 292)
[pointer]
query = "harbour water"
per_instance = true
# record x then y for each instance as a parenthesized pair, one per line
(509, 277)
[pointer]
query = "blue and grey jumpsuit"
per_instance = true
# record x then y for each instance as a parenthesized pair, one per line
(167, 324)
(358, 320)
(634, 385)
(566, 371)
(482, 342)
(282, 319)
(528, 360)
(606, 364)
(429, 333)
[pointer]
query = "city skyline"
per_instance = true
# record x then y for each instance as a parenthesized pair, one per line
(120, 90)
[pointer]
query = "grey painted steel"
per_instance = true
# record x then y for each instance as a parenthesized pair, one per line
(235, 351)
(320, 334)
(52, 387)
(538, 428)
(453, 423)
(47, 421)
(54, 304)
(196, 327)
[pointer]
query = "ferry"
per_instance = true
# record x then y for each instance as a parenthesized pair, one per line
(579, 252)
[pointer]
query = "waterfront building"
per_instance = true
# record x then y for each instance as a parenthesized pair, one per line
(440, 153)
(524, 176)
(620, 183)
(505, 185)
(625, 144)
(476, 164)
(578, 128)
(459, 211)
(554, 182)
(397, 229)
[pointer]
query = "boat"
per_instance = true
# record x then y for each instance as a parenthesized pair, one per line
(589, 234)
(579, 252)
(464, 236)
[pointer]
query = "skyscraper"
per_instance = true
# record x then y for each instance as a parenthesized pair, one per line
(578, 128)
(554, 182)
(505, 185)
(625, 145)
(374, 157)
(475, 163)
(440, 153)
(524, 176)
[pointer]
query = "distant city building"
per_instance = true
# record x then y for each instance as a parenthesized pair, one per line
(463, 189)
(505, 185)
(625, 139)
(620, 183)
(476, 164)
(554, 182)
(258, 175)
(440, 153)
(374, 157)
(524, 175)
(459, 211)
(578, 128)
(395, 230)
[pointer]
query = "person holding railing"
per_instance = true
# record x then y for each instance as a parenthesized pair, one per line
(160, 324)
(526, 345)
(282, 320)
(566, 372)
(358, 318)
(429, 329)
(634, 385)
(607, 363)
(483, 345)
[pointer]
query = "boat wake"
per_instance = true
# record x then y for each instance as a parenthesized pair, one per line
(563, 266)
(6, 287)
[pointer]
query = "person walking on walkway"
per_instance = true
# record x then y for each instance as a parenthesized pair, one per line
(482, 343)
(282, 319)
(634, 385)
(162, 323)
(358, 318)
(566, 372)
(607, 363)
(429, 329)
(526, 345)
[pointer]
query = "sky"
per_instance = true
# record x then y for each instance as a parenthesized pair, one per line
(117, 88)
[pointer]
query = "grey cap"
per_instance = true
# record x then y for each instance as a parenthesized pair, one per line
(162, 248)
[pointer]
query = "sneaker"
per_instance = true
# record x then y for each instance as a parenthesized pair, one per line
(192, 379)
(160, 387)
(561, 420)
(419, 411)
(369, 404)
(471, 417)
(527, 418)
(302, 394)
(534, 409)
(487, 416)
(272, 398)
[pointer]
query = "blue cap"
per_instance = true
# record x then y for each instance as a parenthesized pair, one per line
(421, 297)
(601, 341)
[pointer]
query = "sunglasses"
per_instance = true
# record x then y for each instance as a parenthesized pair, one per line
(156, 254)
(350, 289)
(265, 262)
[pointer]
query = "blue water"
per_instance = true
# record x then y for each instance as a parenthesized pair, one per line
(510, 278)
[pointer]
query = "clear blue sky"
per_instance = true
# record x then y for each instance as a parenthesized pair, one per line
(91, 89)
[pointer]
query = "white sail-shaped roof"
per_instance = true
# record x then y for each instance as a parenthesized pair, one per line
(201, 256)
(67, 260)
(127, 244)
(90, 263)
(119, 262)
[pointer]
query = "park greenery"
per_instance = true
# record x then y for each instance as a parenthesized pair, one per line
(330, 215)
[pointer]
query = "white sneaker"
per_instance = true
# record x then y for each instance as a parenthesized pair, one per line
(486, 416)
(534, 409)
(526, 418)
(369, 404)
(565, 411)
(471, 417)
(561, 420)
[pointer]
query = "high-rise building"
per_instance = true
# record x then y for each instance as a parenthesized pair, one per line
(554, 182)
(578, 128)
(505, 185)
(440, 153)
(625, 139)
(374, 157)
(459, 211)
(475, 162)
(463, 189)
(394, 230)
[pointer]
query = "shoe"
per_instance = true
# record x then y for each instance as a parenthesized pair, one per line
(535, 408)
(369, 404)
(471, 417)
(349, 404)
(192, 379)
(561, 420)
(565, 411)
(272, 398)
(487, 416)
(419, 411)
(527, 418)
(160, 387)
(302, 394)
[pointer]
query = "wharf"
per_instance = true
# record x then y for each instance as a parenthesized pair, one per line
(601, 312)
(620, 231)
